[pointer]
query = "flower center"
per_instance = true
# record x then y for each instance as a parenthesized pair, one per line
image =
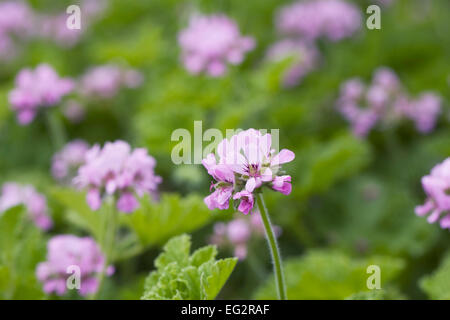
(253, 170)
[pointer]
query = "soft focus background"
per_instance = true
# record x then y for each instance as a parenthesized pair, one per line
(353, 198)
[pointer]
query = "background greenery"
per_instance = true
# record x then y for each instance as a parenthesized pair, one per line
(353, 200)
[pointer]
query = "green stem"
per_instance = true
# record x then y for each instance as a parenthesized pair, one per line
(56, 129)
(275, 252)
(108, 241)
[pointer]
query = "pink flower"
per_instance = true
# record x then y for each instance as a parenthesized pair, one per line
(16, 17)
(247, 201)
(238, 232)
(73, 111)
(53, 27)
(64, 251)
(304, 58)
(282, 184)
(14, 194)
(37, 89)
(436, 186)
(66, 162)
(385, 101)
(105, 81)
(209, 43)
(116, 170)
(245, 163)
(334, 19)
(223, 188)
(424, 111)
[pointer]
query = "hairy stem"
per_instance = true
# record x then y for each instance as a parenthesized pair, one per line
(108, 240)
(56, 130)
(274, 250)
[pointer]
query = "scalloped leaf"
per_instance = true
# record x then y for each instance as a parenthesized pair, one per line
(180, 276)
(437, 284)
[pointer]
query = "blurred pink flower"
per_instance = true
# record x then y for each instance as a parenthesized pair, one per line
(424, 111)
(15, 23)
(64, 251)
(436, 186)
(73, 111)
(35, 89)
(105, 81)
(238, 232)
(117, 170)
(66, 162)
(14, 194)
(304, 56)
(53, 26)
(209, 43)
(333, 19)
(386, 101)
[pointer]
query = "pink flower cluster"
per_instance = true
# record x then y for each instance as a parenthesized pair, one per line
(36, 89)
(238, 232)
(304, 55)
(116, 170)
(15, 21)
(209, 43)
(106, 80)
(436, 186)
(19, 21)
(14, 194)
(384, 100)
(64, 251)
(53, 27)
(66, 162)
(243, 165)
(312, 19)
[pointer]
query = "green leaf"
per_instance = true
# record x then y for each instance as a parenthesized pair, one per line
(330, 275)
(180, 276)
(437, 285)
(377, 294)
(203, 255)
(330, 162)
(78, 212)
(214, 276)
(155, 222)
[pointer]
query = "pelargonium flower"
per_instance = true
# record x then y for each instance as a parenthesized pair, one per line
(241, 166)
(73, 111)
(238, 232)
(209, 43)
(53, 27)
(66, 162)
(424, 111)
(116, 170)
(16, 17)
(436, 186)
(14, 194)
(64, 251)
(35, 89)
(304, 57)
(15, 22)
(105, 81)
(333, 19)
(385, 101)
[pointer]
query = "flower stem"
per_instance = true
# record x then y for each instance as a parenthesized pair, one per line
(108, 240)
(56, 129)
(274, 250)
